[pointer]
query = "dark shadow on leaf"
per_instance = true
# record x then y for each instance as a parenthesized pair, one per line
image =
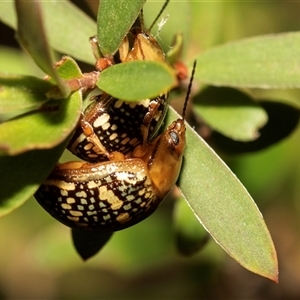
(283, 119)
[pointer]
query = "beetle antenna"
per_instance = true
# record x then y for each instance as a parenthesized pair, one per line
(189, 89)
(141, 19)
(158, 16)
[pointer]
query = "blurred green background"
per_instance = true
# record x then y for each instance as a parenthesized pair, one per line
(38, 260)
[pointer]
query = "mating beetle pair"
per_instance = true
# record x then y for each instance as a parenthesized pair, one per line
(128, 171)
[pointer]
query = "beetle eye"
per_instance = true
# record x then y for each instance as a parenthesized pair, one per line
(174, 137)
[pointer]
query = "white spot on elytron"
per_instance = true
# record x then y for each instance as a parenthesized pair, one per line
(134, 209)
(95, 219)
(90, 213)
(86, 219)
(133, 141)
(147, 195)
(104, 210)
(92, 199)
(138, 201)
(91, 207)
(118, 104)
(122, 176)
(83, 201)
(101, 120)
(123, 135)
(59, 199)
(114, 127)
(133, 104)
(127, 207)
(81, 186)
(66, 206)
(76, 213)
(124, 217)
(122, 188)
(64, 192)
(81, 194)
(107, 217)
(101, 204)
(70, 200)
(63, 185)
(142, 192)
(88, 146)
(74, 219)
(92, 185)
(110, 197)
(80, 207)
(130, 197)
(106, 126)
(113, 136)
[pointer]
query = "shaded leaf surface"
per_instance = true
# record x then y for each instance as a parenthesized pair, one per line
(225, 208)
(230, 112)
(283, 119)
(190, 236)
(22, 174)
(22, 92)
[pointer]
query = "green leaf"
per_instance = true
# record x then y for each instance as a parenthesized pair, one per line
(22, 93)
(22, 174)
(137, 80)
(268, 61)
(41, 129)
(88, 243)
(114, 22)
(230, 112)
(33, 37)
(225, 208)
(189, 233)
(62, 18)
(283, 119)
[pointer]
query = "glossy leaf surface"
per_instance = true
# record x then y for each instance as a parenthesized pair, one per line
(225, 208)
(114, 22)
(137, 80)
(268, 61)
(230, 112)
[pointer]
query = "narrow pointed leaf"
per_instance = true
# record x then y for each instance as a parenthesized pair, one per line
(230, 112)
(88, 243)
(22, 93)
(268, 61)
(137, 80)
(225, 208)
(114, 22)
(33, 37)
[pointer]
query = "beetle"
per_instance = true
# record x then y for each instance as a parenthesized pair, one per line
(118, 193)
(109, 124)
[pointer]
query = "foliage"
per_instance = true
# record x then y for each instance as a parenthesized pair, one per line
(36, 128)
